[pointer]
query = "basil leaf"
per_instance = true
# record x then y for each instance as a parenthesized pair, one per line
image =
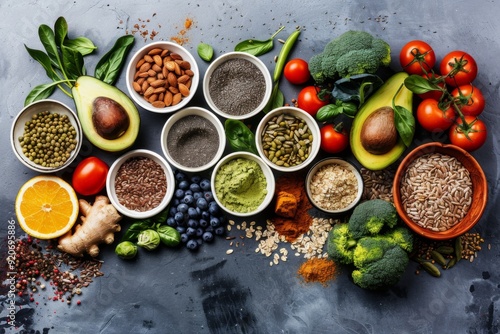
(205, 51)
(73, 63)
(45, 61)
(356, 87)
(405, 124)
(60, 30)
(135, 229)
(40, 92)
(328, 112)
(257, 47)
(81, 44)
(239, 136)
(109, 66)
(419, 85)
(169, 236)
(48, 40)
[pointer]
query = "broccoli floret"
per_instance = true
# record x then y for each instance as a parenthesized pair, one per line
(383, 273)
(340, 244)
(353, 52)
(370, 217)
(402, 237)
(371, 249)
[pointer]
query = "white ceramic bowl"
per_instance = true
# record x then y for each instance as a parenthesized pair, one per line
(25, 115)
(271, 184)
(237, 55)
(344, 164)
(111, 191)
(193, 136)
(311, 124)
(131, 72)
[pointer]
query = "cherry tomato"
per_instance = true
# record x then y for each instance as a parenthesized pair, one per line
(459, 68)
(417, 56)
(89, 177)
(471, 137)
(432, 118)
(310, 101)
(470, 99)
(334, 138)
(434, 94)
(297, 71)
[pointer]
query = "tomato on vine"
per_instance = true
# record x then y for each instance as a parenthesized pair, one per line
(469, 136)
(296, 71)
(459, 68)
(470, 99)
(311, 98)
(417, 57)
(434, 116)
(334, 138)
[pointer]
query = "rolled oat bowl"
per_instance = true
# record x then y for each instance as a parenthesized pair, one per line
(334, 186)
(440, 191)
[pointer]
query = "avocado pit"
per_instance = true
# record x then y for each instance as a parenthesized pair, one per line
(378, 133)
(109, 118)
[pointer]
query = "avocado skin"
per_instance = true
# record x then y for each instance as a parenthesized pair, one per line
(85, 91)
(381, 98)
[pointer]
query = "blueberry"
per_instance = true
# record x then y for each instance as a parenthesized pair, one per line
(184, 185)
(182, 207)
(171, 222)
(179, 217)
(194, 187)
(181, 229)
(193, 213)
(202, 203)
(205, 215)
(188, 192)
(197, 195)
(208, 236)
(209, 196)
(179, 176)
(213, 208)
(184, 238)
(175, 201)
(209, 228)
(219, 230)
(179, 193)
(188, 199)
(199, 231)
(195, 179)
(214, 221)
(192, 244)
(205, 184)
(191, 231)
(172, 211)
(193, 223)
(203, 222)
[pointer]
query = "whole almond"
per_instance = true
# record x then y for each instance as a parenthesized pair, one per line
(174, 90)
(175, 56)
(155, 51)
(183, 79)
(139, 63)
(153, 98)
(149, 92)
(145, 86)
(148, 58)
(168, 98)
(185, 65)
(183, 89)
(156, 68)
(158, 104)
(172, 79)
(177, 69)
(159, 90)
(176, 99)
(158, 60)
(170, 65)
(145, 67)
(164, 52)
(189, 72)
(137, 87)
(152, 73)
(157, 83)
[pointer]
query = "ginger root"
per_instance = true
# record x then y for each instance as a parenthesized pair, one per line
(99, 223)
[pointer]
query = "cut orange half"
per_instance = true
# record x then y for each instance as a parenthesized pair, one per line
(46, 207)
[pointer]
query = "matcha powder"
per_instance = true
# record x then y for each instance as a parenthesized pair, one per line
(241, 185)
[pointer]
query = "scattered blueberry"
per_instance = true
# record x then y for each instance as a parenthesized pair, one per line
(190, 231)
(192, 244)
(184, 238)
(219, 230)
(199, 231)
(208, 236)
(214, 221)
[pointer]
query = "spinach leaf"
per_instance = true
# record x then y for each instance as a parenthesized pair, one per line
(81, 44)
(257, 47)
(48, 40)
(60, 30)
(205, 51)
(356, 87)
(109, 66)
(405, 124)
(332, 110)
(40, 92)
(73, 63)
(239, 136)
(45, 61)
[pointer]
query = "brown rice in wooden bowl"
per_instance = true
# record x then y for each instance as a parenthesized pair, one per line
(440, 191)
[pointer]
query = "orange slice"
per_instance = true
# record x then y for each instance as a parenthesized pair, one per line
(46, 207)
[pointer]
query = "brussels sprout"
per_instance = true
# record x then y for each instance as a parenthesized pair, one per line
(169, 236)
(148, 239)
(126, 250)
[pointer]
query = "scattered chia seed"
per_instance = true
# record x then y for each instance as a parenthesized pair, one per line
(193, 141)
(237, 86)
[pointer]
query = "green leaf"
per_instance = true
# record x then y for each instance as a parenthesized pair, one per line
(239, 136)
(419, 85)
(356, 87)
(136, 228)
(60, 30)
(48, 40)
(405, 124)
(205, 51)
(332, 110)
(40, 92)
(73, 63)
(81, 44)
(257, 47)
(45, 61)
(109, 66)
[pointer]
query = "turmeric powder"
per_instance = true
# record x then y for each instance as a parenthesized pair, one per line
(286, 204)
(319, 270)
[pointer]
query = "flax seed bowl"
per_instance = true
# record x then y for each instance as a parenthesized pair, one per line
(140, 184)
(46, 136)
(334, 186)
(237, 85)
(193, 139)
(287, 139)
(162, 77)
(440, 191)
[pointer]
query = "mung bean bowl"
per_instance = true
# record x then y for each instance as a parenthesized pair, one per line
(334, 185)
(162, 77)
(288, 139)
(237, 85)
(46, 136)
(140, 184)
(440, 191)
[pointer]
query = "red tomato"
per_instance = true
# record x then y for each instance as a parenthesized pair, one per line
(297, 71)
(434, 94)
(459, 68)
(470, 99)
(432, 118)
(309, 100)
(89, 177)
(417, 56)
(334, 139)
(470, 137)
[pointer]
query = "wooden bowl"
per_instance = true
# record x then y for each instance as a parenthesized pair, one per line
(479, 190)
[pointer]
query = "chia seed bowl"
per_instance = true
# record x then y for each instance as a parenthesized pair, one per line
(237, 85)
(193, 139)
(140, 184)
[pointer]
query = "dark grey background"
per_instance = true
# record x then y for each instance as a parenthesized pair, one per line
(211, 292)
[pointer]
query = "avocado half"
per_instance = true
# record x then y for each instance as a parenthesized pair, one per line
(85, 92)
(383, 97)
